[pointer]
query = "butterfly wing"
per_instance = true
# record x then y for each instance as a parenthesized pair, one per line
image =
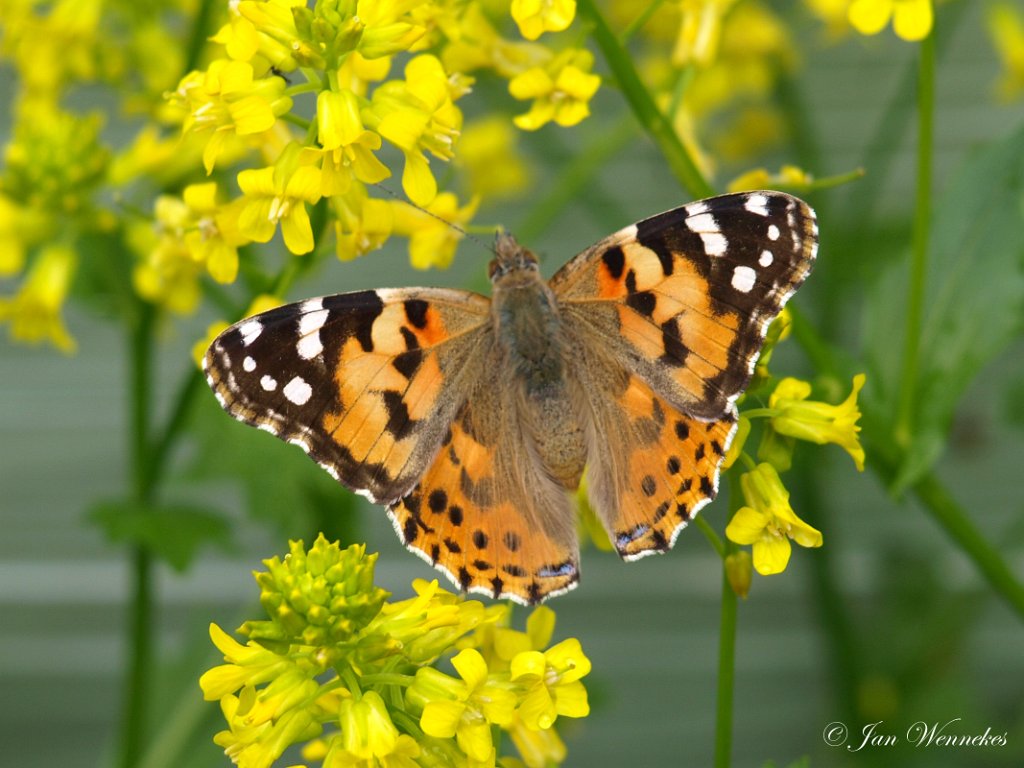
(486, 513)
(651, 467)
(685, 297)
(366, 383)
(671, 314)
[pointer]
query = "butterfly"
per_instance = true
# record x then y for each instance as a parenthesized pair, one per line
(474, 419)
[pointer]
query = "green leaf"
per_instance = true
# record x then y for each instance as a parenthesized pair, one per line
(975, 297)
(172, 532)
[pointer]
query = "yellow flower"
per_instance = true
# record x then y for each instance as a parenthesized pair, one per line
(539, 748)
(35, 311)
(255, 740)
(466, 708)
(418, 115)
(215, 237)
(19, 227)
(432, 238)
(423, 627)
(1006, 27)
(536, 17)
(347, 146)
(243, 40)
(363, 223)
(911, 19)
(488, 153)
(700, 31)
(478, 45)
(248, 665)
(278, 195)
(552, 683)
(368, 738)
(277, 37)
(561, 90)
(225, 102)
(818, 422)
(166, 274)
(768, 523)
(788, 177)
(738, 441)
(387, 27)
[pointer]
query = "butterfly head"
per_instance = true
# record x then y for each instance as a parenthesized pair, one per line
(511, 260)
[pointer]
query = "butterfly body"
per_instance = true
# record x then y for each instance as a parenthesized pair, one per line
(536, 355)
(473, 419)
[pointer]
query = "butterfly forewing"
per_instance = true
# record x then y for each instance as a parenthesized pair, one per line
(685, 297)
(364, 382)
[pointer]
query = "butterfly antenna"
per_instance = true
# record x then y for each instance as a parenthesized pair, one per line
(443, 220)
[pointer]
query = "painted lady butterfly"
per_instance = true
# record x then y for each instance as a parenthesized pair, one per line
(472, 419)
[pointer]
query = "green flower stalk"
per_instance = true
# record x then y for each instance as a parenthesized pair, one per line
(318, 598)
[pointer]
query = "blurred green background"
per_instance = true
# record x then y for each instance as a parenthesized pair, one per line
(887, 623)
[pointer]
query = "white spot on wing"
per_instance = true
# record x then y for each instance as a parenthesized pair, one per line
(313, 319)
(250, 330)
(773, 232)
(269, 383)
(696, 209)
(248, 365)
(757, 204)
(766, 259)
(714, 243)
(301, 443)
(298, 391)
(704, 224)
(743, 279)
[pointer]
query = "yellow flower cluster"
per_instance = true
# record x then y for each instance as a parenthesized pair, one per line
(345, 50)
(766, 521)
(298, 109)
(351, 676)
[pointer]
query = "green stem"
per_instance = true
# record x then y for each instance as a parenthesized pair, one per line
(841, 634)
(638, 23)
(904, 425)
(140, 629)
(199, 34)
(187, 393)
(726, 675)
(642, 103)
(710, 534)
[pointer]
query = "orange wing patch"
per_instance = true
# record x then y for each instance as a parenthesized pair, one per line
(485, 518)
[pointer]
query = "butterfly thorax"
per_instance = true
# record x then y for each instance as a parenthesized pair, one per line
(529, 333)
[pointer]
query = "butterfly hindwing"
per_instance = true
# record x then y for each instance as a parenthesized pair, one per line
(661, 468)
(684, 298)
(486, 512)
(366, 383)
